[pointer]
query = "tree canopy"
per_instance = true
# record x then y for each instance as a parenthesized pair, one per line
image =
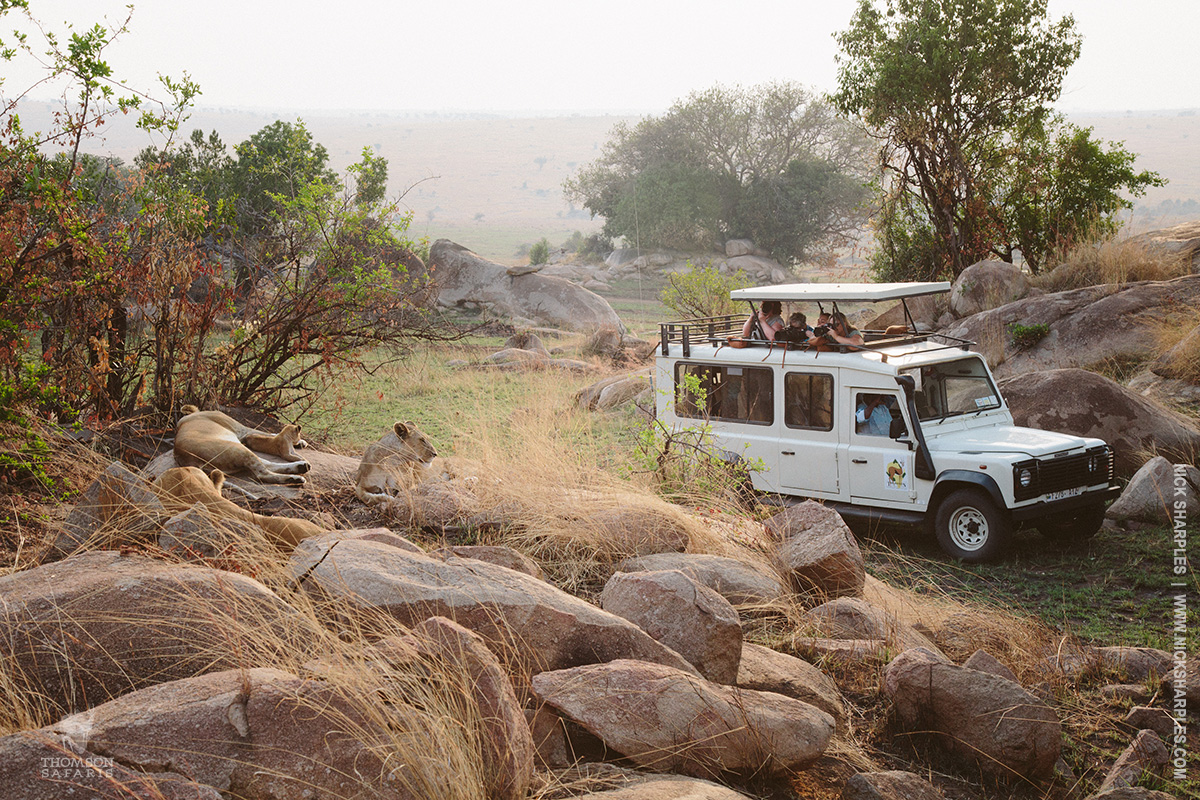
(974, 160)
(773, 163)
(120, 273)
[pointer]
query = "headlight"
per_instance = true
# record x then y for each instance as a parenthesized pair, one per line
(1025, 477)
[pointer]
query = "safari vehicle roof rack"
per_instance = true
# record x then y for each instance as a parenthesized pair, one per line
(726, 329)
(700, 330)
(840, 292)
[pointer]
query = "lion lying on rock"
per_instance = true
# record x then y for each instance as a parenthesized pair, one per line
(182, 487)
(214, 440)
(397, 462)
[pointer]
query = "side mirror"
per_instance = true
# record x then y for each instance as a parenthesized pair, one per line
(898, 428)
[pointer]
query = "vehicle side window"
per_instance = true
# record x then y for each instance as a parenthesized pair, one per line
(737, 394)
(808, 400)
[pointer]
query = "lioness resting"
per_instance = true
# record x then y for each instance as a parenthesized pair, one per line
(398, 461)
(212, 439)
(182, 487)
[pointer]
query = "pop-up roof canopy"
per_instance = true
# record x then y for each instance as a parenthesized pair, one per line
(840, 292)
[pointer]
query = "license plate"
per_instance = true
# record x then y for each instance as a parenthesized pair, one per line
(1078, 490)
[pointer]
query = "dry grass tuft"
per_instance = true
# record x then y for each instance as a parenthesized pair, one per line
(1110, 261)
(1178, 333)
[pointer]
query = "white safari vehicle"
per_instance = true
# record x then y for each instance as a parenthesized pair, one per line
(945, 453)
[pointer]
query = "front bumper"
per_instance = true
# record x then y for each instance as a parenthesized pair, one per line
(1066, 505)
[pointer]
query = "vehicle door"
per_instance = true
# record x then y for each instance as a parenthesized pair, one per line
(880, 468)
(808, 441)
(736, 406)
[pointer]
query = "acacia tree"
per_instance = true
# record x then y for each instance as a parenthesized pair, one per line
(958, 92)
(730, 162)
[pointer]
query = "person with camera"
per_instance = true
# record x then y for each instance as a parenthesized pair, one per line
(838, 331)
(797, 330)
(765, 323)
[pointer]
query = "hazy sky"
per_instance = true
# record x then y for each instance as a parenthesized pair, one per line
(617, 56)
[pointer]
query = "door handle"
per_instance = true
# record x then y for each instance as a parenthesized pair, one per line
(858, 461)
(789, 452)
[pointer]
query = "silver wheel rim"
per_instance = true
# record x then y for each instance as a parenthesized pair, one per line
(968, 528)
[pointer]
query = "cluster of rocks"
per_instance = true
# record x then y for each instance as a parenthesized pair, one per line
(740, 255)
(190, 681)
(522, 295)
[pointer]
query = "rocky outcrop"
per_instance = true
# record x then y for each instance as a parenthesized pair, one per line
(891, 785)
(739, 582)
(985, 719)
(116, 499)
(691, 619)
(45, 765)
(1145, 755)
(258, 734)
(495, 554)
(641, 786)
(100, 624)
(530, 624)
(925, 311)
(1086, 404)
(854, 618)
(818, 554)
(1085, 326)
(765, 670)
(1179, 241)
(507, 744)
(1138, 663)
(1152, 492)
(669, 721)
(986, 285)
(465, 280)
(616, 391)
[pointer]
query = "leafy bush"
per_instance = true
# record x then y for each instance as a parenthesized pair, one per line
(113, 272)
(702, 292)
(687, 466)
(540, 252)
(588, 248)
(1026, 336)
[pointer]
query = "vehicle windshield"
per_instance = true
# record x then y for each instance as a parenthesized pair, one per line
(953, 388)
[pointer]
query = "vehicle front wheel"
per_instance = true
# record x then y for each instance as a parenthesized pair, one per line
(970, 527)
(1075, 526)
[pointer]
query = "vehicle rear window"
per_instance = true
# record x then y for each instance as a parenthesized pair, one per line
(714, 391)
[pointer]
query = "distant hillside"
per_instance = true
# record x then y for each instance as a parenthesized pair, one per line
(495, 183)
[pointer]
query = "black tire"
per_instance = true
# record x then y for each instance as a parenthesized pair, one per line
(970, 527)
(1075, 526)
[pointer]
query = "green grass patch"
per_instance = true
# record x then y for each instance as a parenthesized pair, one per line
(1116, 589)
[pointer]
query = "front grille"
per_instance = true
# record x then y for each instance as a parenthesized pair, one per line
(1089, 468)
